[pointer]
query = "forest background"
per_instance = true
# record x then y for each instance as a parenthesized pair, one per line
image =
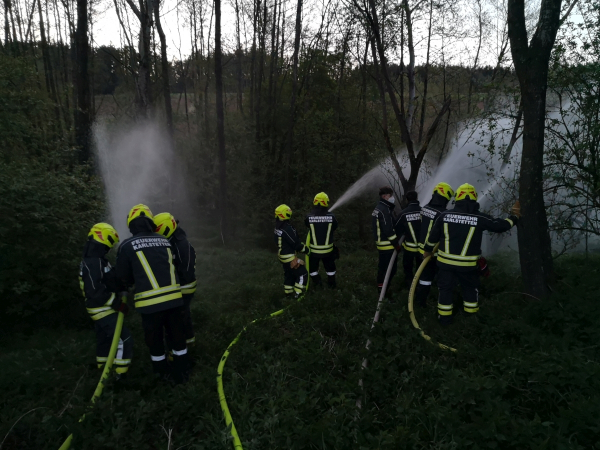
(290, 99)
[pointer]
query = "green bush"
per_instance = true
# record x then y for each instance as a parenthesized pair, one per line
(46, 215)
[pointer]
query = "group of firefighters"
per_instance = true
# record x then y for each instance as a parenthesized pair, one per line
(456, 233)
(159, 262)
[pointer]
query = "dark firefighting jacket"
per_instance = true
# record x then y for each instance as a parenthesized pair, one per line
(321, 224)
(408, 224)
(98, 281)
(459, 232)
(429, 213)
(383, 226)
(288, 241)
(147, 260)
(186, 261)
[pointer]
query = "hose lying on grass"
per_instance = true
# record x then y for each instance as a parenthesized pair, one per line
(237, 443)
(411, 311)
(107, 367)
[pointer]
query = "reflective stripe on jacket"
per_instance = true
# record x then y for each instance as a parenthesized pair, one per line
(383, 226)
(429, 213)
(460, 231)
(288, 241)
(408, 224)
(97, 280)
(321, 232)
(147, 260)
(186, 261)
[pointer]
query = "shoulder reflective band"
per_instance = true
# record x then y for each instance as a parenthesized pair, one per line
(109, 362)
(411, 296)
(237, 443)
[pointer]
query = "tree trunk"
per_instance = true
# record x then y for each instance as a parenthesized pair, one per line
(166, 86)
(290, 140)
(239, 53)
(83, 113)
(223, 200)
(531, 65)
(48, 72)
(471, 81)
(426, 76)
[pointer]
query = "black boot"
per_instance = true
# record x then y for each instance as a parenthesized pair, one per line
(445, 320)
(421, 295)
(331, 281)
(316, 279)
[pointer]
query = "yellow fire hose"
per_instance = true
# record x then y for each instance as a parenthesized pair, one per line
(237, 443)
(411, 296)
(107, 367)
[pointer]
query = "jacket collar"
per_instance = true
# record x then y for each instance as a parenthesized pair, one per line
(390, 205)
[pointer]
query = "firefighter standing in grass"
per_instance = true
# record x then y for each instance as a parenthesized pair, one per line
(99, 285)
(408, 224)
(186, 267)
(442, 193)
(459, 233)
(146, 260)
(322, 224)
(288, 243)
(384, 233)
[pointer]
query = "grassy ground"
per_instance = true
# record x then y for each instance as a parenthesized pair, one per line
(527, 374)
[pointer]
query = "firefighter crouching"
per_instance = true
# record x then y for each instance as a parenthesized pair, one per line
(459, 233)
(442, 193)
(385, 235)
(408, 224)
(146, 260)
(186, 267)
(321, 226)
(99, 285)
(288, 243)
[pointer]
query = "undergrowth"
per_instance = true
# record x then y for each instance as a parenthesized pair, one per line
(526, 376)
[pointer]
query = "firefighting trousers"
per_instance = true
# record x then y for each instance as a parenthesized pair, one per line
(330, 269)
(385, 257)
(188, 326)
(105, 330)
(425, 282)
(469, 283)
(173, 322)
(294, 280)
(410, 260)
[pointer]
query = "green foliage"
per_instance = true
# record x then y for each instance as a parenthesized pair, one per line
(526, 374)
(47, 205)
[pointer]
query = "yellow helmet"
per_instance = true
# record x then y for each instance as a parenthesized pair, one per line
(321, 199)
(464, 191)
(165, 224)
(105, 234)
(444, 189)
(283, 212)
(137, 211)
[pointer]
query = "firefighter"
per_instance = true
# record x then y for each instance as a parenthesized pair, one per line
(322, 224)
(186, 267)
(408, 224)
(99, 285)
(442, 193)
(459, 233)
(147, 261)
(384, 233)
(288, 243)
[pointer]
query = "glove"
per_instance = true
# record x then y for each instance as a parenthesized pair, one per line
(296, 263)
(427, 254)
(398, 248)
(516, 209)
(306, 250)
(336, 252)
(482, 265)
(118, 304)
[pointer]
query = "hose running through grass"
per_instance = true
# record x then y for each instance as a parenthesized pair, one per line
(107, 367)
(237, 443)
(411, 296)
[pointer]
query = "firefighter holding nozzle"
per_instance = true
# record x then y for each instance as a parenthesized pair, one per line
(459, 233)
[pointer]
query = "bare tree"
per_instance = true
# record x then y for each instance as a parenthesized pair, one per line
(220, 123)
(166, 87)
(531, 59)
(83, 113)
